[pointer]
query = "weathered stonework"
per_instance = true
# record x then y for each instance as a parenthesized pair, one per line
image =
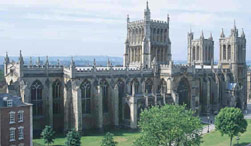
(98, 97)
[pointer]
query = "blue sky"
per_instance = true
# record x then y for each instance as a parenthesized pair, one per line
(98, 27)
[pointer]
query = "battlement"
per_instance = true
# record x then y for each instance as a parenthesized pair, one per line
(159, 22)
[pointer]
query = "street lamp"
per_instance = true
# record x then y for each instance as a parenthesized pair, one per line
(208, 118)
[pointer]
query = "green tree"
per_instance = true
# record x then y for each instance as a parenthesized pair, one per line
(48, 135)
(230, 121)
(73, 138)
(169, 125)
(108, 140)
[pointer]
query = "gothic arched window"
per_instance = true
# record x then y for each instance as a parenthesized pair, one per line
(104, 86)
(193, 53)
(224, 52)
(86, 97)
(148, 86)
(57, 97)
(198, 53)
(36, 98)
(163, 86)
(229, 52)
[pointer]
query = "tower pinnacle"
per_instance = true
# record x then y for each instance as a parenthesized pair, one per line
(147, 7)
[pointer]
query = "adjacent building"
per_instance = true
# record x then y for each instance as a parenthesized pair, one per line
(15, 121)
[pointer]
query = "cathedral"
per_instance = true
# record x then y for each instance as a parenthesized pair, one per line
(97, 97)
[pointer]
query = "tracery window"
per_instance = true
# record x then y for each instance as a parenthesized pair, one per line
(57, 97)
(86, 97)
(148, 86)
(36, 98)
(104, 86)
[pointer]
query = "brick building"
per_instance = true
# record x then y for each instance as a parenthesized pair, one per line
(15, 121)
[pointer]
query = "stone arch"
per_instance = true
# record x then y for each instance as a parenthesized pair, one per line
(184, 92)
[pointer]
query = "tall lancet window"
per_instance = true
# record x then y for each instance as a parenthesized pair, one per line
(104, 86)
(224, 52)
(86, 97)
(36, 98)
(57, 97)
(198, 53)
(148, 86)
(229, 52)
(193, 53)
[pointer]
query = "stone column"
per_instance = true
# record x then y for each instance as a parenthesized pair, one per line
(208, 95)
(100, 107)
(66, 109)
(116, 105)
(50, 94)
(133, 113)
(77, 107)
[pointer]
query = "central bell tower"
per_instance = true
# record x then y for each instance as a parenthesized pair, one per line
(147, 41)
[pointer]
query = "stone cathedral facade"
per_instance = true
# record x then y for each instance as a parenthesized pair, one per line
(99, 97)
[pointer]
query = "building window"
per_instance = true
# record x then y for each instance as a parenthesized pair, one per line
(198, 53)
(36, 98)
(20, 133)
(9, 103)
(20, 116)
(86, 97)
(224, 52)
(104, 86)
(148, 86)
(57, 98)
(12, 134)
(12, 117)
(229, 52)
(193, 53)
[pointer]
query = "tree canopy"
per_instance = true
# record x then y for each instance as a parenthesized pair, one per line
(230, 121)
(108, 140)
(48, 135)
(73, 138)
(169, 125)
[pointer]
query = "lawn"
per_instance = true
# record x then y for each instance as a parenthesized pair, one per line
(123, 137)
(127, 137)
(215, 139)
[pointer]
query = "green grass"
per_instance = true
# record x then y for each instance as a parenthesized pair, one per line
(126, 138)
(123, 137)
(215, 139)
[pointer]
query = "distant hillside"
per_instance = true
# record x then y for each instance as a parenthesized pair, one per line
(84, 60)
(79, 60)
